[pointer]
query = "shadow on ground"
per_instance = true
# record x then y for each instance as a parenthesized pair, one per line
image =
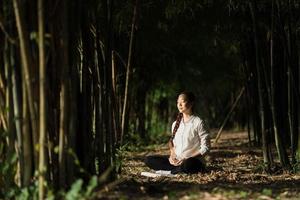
(160, 189)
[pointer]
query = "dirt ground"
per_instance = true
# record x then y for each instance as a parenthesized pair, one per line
(234, 171)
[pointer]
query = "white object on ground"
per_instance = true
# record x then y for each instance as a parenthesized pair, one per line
(163, 172)
(150, 174)
(158, 174)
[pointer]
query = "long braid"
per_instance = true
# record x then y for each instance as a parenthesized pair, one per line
(178, 119)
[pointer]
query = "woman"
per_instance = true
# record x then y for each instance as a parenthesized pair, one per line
(189, 142)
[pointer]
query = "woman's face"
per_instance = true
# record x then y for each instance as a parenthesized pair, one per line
(183, 105)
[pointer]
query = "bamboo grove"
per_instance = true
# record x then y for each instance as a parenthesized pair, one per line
(62, 112)
(270, 55)
(76, 76)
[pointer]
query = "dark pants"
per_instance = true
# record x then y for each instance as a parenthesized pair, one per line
(189, 166)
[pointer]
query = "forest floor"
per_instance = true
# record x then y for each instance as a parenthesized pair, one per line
(235, 171)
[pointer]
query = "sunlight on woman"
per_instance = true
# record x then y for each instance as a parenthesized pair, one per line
(189, 142)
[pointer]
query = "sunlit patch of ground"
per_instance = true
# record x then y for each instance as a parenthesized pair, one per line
(234, 171)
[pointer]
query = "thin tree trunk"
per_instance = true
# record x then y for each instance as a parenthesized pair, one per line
(266, 155)
(42, 108)
(247, 96)
(27, 144)
(62, 134)
(108, 119)
(229, 114)
(16, 84)
(128, 72)
(99, 105)
(278, 140)
(271, 91)
(26, 62)
(53, 76)
(114, 72)
(87, 158)
(64, 99)
(116, 122)
(290, 102)
(8, 115)
(74, 87)
(292, 80)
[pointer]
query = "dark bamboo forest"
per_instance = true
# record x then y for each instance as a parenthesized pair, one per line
(85, 84)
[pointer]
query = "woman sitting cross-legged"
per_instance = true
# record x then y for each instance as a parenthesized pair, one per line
(189, 143)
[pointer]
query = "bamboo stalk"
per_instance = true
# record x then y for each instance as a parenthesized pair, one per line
(74, 82)
(42, 108)
(266, 154)
(292, 94)
(229, 114)
(128, 71)
(17, 112)
(26, 62)
(27, 144)
(64, 106)
(271, 95)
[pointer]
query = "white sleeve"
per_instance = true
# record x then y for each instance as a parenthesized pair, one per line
(204, 138)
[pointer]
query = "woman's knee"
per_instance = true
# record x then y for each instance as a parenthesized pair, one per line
(192, 165)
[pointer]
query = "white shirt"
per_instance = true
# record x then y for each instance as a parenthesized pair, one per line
(191, 136)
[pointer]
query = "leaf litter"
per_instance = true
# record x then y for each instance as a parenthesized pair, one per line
(234, 171)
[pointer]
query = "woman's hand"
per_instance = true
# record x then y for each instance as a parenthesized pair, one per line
(175, 161)
(172, 160)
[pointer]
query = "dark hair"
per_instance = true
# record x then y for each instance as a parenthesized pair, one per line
(190, 98)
